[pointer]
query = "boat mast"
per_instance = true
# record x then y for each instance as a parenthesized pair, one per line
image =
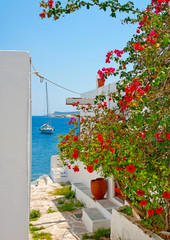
(47, 100)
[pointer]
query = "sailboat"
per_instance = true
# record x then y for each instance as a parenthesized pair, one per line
(46, 128)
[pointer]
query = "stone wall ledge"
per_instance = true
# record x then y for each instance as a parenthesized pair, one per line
(127, 228)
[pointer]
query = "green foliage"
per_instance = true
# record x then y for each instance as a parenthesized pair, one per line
(127, 210)
(70, 195)
(130, 141)
(153, 223)
(65, 191)
(36, 235)
(42, 235)
(99, 234)
(35, 229)
(50, 210)
(79, 204)
(70, 206)
(34, 215)
(60, 201)
(60, 10)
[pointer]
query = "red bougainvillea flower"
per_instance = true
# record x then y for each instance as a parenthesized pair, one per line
(121, 102)
(153, 41)
(130, 168)
(152, 33)
(147, 88)
(109, 99)
(69, 167)
(138, 47)
(111, 149)
(50, 3)
(141, 48)
(108, 56)
(76, 138)
(73, 119)
(168, 136)
(143, 202)
(117, 190)
(156, 134)
(119, 169)
(100, 138)
(140, 192)
(90, 169)
(96, 161)
(159, 210)
(150, 211)
(42, 15)
(118, 52)
(137, 31)
(67, 137)
(166, 195)
(63, 143)
(124, 66)
(160, 139)
(106, 146)
(75, 154)
(75, 169)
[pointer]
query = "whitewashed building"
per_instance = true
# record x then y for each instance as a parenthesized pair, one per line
(15, 144)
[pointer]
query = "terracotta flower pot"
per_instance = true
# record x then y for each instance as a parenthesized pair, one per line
(98, 188)
(100, 83)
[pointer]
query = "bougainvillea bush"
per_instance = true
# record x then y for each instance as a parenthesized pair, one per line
(129, 141)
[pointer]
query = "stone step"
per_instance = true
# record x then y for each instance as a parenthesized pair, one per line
(84, 194)
(94, 219)
(106, 206)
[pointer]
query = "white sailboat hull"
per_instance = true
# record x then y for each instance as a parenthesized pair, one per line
(47, 129)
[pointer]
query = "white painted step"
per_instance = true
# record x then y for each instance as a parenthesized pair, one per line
(94, 219)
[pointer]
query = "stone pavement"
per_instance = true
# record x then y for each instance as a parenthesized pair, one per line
(62, 225)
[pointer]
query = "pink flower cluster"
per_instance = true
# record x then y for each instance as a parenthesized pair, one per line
(76, 104)
(138, 47)
(108, 56)
(118, 52)
(50, 3)
(159, 135)
(72, 121)
(129, 90)
(151, 37)
(104, 106)
(105, 72)
(144, 21)
(42, 15)
(143, 134)
(159, 5)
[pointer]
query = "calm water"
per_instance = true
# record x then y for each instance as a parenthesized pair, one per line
(44, 145)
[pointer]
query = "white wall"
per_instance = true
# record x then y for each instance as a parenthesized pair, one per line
(15, 144)
(105, 90)
(83, 176)
(125, 229)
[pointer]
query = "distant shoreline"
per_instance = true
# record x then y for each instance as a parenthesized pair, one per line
(60, 115)
(64, 115)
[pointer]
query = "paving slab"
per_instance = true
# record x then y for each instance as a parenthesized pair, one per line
(62, 225)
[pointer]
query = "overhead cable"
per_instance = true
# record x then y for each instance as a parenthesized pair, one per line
(43, 78)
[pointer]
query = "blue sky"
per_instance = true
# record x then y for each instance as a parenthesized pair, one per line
(69, 51)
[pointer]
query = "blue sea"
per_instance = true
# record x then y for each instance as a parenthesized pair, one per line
(45, 145)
